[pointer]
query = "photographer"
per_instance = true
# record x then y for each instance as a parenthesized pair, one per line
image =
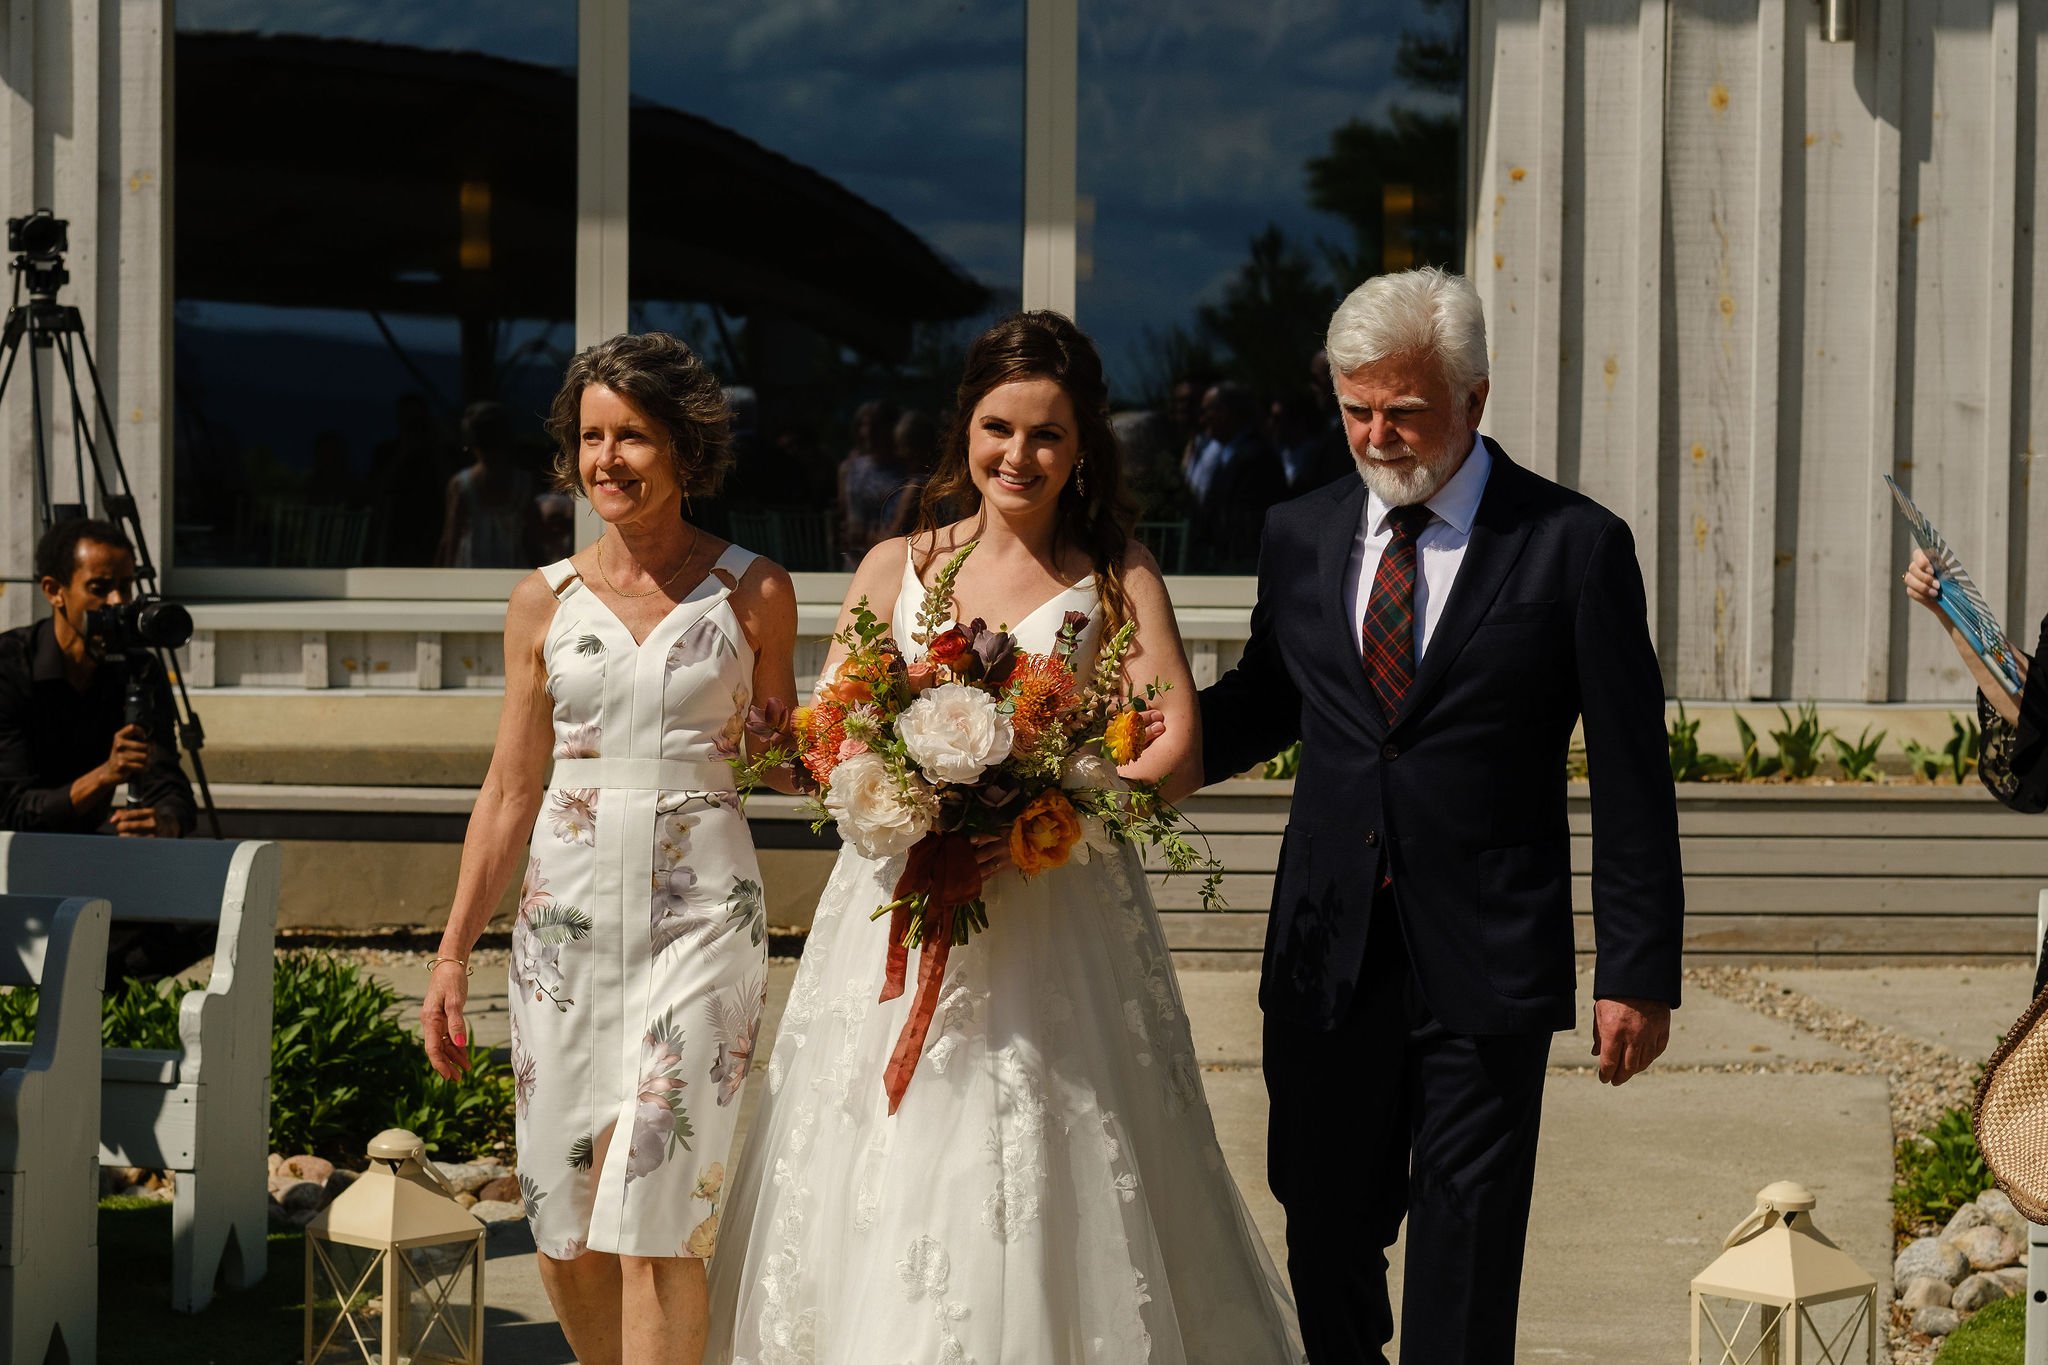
(66, 746)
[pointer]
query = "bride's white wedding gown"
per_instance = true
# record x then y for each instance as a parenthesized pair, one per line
(1051, 1189)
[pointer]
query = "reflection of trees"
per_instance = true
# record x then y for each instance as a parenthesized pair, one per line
(1393, 181)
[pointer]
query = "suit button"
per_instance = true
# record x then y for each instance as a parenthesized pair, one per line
(1390, 752)
(1372, 838)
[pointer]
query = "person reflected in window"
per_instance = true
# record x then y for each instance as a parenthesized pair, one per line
(870, 477)
(489, 514)
(1234, 477)
(917, 446)
(1310, 453)
(408, 526)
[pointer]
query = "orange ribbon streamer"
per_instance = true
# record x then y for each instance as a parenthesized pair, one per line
(943, 868)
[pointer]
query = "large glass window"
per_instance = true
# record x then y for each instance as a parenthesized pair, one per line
(374, 276)
(827, 202)
(1242, 166)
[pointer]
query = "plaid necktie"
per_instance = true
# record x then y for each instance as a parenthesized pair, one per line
(1388, 631)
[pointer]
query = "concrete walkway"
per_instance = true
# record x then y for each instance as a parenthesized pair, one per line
(1636, 1187)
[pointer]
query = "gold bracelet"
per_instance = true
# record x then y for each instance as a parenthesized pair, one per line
(461, 962)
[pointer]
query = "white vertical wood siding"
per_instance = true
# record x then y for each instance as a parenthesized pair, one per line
(1781, 268)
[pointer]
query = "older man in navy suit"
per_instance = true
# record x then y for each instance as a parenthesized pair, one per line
(1431, 632)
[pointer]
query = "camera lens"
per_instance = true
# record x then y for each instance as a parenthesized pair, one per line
(163, 624)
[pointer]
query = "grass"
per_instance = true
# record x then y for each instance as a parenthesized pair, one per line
(259, 1326)
(1997, 1335)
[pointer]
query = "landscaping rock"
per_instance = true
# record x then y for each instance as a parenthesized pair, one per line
(497, 1210)
(1977, 1291)
(276, 1160)
(1987, 1247)
(467, 1200)
(301, 1195)
(314, 1168)
(505, 1188)
(2013, 1277)
(469, 1176)
(1936, 1322)
(1928, 1257)
(340, 1181)
(117, 1179)
(1967, 1217)
(1925, 1292)
(1998, 1206)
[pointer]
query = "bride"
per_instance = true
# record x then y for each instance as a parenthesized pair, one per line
(1051, 1189)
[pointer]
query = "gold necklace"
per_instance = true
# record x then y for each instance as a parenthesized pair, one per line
(696, 534)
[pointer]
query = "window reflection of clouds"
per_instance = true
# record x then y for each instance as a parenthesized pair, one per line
(528, 30)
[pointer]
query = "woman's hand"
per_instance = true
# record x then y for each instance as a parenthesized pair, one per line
(1152, 722)
(992, 855)
(441, 1027)
(1923, 584)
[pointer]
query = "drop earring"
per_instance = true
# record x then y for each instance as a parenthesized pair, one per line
(1081, 478)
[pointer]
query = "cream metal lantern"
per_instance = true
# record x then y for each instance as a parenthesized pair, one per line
(1787, 1295)
(395, 1267)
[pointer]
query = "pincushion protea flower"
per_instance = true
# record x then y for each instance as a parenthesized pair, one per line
(1041, 687)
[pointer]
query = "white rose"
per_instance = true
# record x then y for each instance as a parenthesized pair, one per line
(876, 815)
(954, 732)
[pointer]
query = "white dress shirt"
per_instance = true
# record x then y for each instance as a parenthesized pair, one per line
(1439, 550)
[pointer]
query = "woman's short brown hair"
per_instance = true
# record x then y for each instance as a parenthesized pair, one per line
(665, 379)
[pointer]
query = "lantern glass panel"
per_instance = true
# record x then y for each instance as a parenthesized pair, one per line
(439, 1284)
(1741, 1332)
(347, 1303)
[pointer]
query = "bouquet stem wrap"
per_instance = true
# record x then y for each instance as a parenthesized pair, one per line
(940, 874)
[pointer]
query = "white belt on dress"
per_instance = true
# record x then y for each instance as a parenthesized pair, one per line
(644, 774)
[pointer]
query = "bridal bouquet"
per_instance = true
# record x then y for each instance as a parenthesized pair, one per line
(976, 739)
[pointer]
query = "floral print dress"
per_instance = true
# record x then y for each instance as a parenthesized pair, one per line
(639, 958)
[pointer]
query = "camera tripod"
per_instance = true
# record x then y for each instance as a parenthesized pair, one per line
(38, 242)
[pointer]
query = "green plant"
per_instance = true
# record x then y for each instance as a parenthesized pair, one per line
(1938, 1171)
(1858, 760)
(1799, 743)
(342, 1067)
(1996, 1334)
(1688, 764)
(1955, 760)
(1752, 766)
(1286, 763)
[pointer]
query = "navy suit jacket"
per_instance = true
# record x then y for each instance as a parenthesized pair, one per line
(1462, 797)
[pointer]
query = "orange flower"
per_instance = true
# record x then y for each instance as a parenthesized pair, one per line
(1124, 739)
(822, 730)
(1041, 688)
(847, 686)
(1045, 833)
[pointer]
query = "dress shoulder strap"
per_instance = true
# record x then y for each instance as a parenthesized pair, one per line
(735, 562)
(559, 576)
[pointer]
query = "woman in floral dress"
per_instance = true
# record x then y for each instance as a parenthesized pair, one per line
(638, 968)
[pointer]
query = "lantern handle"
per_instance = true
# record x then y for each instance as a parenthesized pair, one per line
(1759, 1220)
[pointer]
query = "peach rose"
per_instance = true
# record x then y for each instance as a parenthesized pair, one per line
(1045, 833)
(846, 687)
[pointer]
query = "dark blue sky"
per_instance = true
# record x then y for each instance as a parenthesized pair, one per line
(1196, 116)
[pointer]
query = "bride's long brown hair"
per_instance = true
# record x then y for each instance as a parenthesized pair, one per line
(1045, 345)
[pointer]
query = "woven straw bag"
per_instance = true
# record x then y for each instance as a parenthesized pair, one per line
(2011, 1113)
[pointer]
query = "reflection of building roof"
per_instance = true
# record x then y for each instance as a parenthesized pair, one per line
(338, 173)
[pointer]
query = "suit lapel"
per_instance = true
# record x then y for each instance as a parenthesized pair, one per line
(1498, 534)
(1333, 566)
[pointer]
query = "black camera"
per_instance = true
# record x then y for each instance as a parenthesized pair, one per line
(133, 627)
(39, 241)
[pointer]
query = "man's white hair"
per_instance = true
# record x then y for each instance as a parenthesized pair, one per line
(1428, 312)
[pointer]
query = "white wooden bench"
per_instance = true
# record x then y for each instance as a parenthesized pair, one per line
(201, 1111)
(49, 1111)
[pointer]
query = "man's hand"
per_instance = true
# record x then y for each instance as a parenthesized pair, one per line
(1628, 1035)
(144, 822)
(129, 756)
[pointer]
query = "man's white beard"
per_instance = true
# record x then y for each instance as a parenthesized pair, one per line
(1403, 486)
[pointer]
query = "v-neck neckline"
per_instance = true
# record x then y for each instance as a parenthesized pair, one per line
(639, 643)
(912, 580)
